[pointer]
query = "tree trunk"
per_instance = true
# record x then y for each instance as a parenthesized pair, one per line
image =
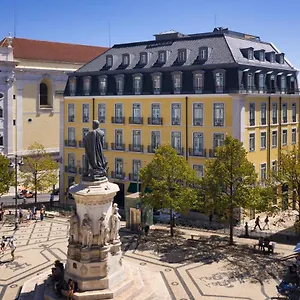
(231, 226)
(171, 223)
(35, 188)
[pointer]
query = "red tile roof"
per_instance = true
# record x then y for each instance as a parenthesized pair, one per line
(53, 51)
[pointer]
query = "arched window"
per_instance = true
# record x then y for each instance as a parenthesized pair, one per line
(43, 94)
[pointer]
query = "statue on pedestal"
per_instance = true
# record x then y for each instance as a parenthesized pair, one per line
(115, 223)
(74, 228)
(86, 231)
(95, 166)
(103, 231)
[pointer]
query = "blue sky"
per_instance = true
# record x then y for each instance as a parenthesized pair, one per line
(87, 21)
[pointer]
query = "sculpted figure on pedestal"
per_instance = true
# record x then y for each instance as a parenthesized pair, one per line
(103, 231)
(115, 223)
(86, 231)
(95, 166)
(74, 228)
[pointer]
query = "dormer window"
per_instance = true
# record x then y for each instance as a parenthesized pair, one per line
(177, 80)
(261, 82)
(125, 59)
(162, 55)
(280, 58)
(250, 82)
(119, 84)
(219, 76)
(250, 53)
(156, 79)
(283, 83)
(143, 58)
(272, 57)
(198, 81)
(103, 85)
(203, 53)
(137, 84)
(72, 86)
(109, 60)
(86, 85)
(261, 55)
(181, 55)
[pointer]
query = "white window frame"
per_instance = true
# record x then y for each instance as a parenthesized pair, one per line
(136, 137)
(85, 107)
(198, 139)
(294, 112)
(143, 58)
(175, 116)
(137, 83)
(176, 138)
(220, 109)
(86, 85)
(220, 79)
(263, 113)
(274, 145)
(274, 113)
(199, 169)
(221, 134)
(261, 55)
(261, 82)
(162, 56)
(125, 59)
(251, 141)
(177, 82)
(156, 133)
(263, 171)
(101, 115)
(109, 60)
(119, 137)
(252, 113)
(70, 119)
(182, 55)
(263, 140)
(72, 86)
(284, 140)
(294, 136)
(156, 83)
(102, 85)
(198, 80)
(120, 84)
(284, 107)
(198, 121)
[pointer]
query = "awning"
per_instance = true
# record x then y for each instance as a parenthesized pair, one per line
(133, 187)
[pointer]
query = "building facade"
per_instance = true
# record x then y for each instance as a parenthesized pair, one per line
(33, 75)
(185, 90)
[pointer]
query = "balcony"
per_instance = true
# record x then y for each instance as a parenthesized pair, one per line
(176, 121)
(118, 175)
(80, 144)
(135, 120)
(218, 122)
(155, 121)
(211, 153)
(70, 143)
(136, 148)
(197, 152)
(117, 146)
(179, 150)
(101, 119)
(71, 169)
(152, 148)
(118, 120)
(133, 176)
(198, 122)
(71, 118)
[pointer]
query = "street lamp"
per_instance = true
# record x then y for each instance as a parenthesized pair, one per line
(14, 165)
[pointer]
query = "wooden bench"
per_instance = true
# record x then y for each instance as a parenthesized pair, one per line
(195, 236)
(51, 214)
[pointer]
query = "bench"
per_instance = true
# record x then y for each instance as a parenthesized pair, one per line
(195, 236)
(51, 214)
(271, 245)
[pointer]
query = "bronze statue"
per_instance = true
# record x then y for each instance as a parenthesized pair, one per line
(95, 166)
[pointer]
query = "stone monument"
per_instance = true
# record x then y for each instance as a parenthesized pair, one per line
(94, 250)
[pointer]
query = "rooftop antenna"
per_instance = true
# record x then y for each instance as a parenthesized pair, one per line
(215, 20)
(109, 37)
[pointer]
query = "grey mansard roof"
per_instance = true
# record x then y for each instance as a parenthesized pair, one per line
(224, 50)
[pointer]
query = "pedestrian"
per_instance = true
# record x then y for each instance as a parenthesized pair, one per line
(147, 228)
(20, 215)
(257, 223)
(34, 213)
(13, 247)
(42, 213)
(71, 288)
(28, 216)
(260, 243)
(266, 223)
(2, 245)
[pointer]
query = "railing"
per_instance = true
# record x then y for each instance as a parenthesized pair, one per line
(116, 146)
(180, 151)
(252, 122)
(155, 121)
(80, 144)
(294, 119)
(101, 119)
(151, 148)
(197, 152)
(198, 122)
(274, 121)
(71, 143)
(218, 122)
(118, 175)
(71, 169)
(176, 121)
(118, 120)
(284, 119)
(136, 148)
(71, 118)
(133, 176)
(135, 120)
(211, 153)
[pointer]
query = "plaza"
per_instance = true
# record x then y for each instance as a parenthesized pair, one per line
(202, 269)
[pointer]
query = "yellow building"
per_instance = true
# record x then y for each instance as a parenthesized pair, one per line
(189, 91)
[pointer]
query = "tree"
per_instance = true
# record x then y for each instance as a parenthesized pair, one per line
(230, 182)
(288, 172)
(169, 181)
(40, 170)
(6, 176)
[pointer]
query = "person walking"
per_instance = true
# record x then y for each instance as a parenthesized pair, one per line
(34, 213)
(42, 213)
(20, 215)
(257, 223)
(13, 247)
(266, 223)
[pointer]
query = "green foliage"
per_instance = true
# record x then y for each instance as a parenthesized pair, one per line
(288, 171)
(6, 175)
(40, 171)
(230, 182)
(170, 181)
